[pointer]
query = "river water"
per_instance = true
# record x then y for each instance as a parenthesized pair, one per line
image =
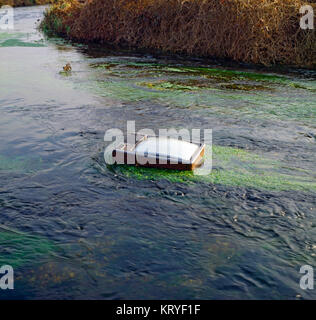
(74, 228)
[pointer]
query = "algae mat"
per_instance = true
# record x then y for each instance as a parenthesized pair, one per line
(18, 39)
(221, 91)
(233, 167)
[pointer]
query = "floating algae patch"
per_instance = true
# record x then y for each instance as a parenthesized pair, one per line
(19, 164)
(20, 43)
(129, 92)
(137, 67)
(233, 167)
(17, 248)
(124, 70)
(213, 75)
(198, 84)
(133, 70)
(258, 103)
(223, 92)
(174, 85)
(11, 35)
(182, 96)
(234, 74)
(17, 39)
(210, 73)
(310, 85)
(244, 87)
(296, 108)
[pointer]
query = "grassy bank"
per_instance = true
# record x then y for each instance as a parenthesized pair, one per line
(22, 3)
(254, 31)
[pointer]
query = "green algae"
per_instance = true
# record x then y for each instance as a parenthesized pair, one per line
(244, 87)
(233, 74)
(171, 85)
(311, 86)
(7, 164)
(216, 73)
(20, 43)
(233, 167)
(18, 248)
(194, 84)
(227, 92)
(280, 108)
(65, 73)
(127, 91)
(9, 35)
(17, 39)
(263, 104)
(18, 164)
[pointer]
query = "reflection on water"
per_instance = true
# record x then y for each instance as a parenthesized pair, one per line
(74, 228)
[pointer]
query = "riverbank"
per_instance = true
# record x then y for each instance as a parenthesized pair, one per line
(260, 32)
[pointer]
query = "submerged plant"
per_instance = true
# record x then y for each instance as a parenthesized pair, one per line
(18, 248)
(19, 164)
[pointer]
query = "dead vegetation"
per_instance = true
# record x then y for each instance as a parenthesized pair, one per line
(254, 31)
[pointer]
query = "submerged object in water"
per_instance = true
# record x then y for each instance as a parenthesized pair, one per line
(160, 152)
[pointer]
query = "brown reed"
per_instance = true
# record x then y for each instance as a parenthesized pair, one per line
(253, 31)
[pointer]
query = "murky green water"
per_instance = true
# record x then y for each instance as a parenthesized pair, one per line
(74, 228)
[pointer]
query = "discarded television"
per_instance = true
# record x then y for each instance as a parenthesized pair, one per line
(160, 152)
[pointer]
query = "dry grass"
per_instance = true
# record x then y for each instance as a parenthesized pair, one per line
(255, 31)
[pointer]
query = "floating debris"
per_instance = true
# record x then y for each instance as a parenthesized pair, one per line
(67, 67)
(162, 152)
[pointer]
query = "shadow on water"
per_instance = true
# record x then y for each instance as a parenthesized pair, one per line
(73, 227)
